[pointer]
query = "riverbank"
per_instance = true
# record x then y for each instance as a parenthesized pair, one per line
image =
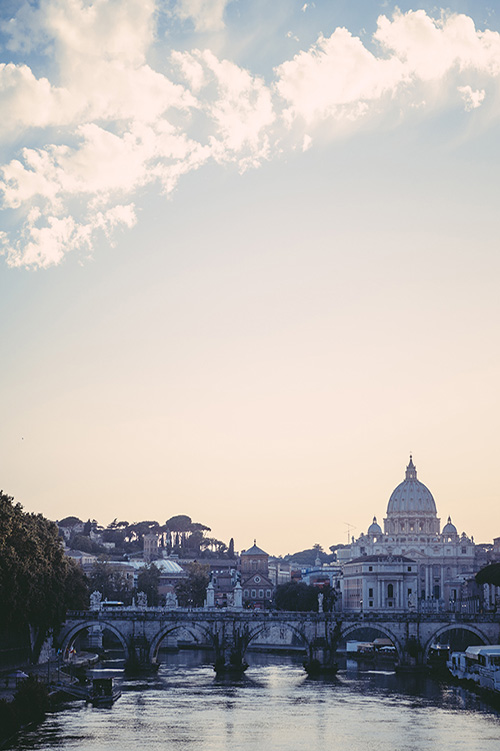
(27, 691)
(29, 704)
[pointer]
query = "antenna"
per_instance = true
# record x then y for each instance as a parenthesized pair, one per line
(349, 527)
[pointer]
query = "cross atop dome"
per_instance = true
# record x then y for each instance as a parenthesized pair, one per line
(411, 470)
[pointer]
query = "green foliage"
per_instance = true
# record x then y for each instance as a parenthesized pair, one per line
(85, 544)
(69, 521)
(308, 557)
(38, 582)
(148, 581)
(31, 700)
(179, 523)
(30, 704)
(110, 582)
(9, 721)
(191, 592)
(302, 597)
(489, 575)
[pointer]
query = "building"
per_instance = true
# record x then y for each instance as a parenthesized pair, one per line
(258, 589)
(151, 550)
(280, 571)
(380, 582)
(412, 530)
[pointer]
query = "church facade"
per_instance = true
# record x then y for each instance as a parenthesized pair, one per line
(444, 559)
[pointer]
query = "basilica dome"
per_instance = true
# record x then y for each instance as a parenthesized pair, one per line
(411, 496)
(449, 529)
(374, 528)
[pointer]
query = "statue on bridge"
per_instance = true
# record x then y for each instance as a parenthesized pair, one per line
(171, 601)
(95, 600)
(142, 600)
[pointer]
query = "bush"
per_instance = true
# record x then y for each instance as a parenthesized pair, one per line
(31, 700)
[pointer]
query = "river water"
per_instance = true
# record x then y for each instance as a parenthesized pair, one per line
(275, 707)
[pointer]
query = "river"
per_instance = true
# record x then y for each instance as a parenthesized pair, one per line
(275, 707)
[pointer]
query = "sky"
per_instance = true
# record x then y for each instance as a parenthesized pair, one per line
(249, 262)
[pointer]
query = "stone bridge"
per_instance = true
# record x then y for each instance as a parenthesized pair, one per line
(229, 632)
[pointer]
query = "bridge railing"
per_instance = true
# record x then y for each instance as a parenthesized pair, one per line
(373, 616)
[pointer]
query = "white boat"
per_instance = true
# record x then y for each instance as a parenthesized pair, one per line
(480, 664)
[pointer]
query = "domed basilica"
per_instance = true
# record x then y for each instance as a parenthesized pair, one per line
(412, 530)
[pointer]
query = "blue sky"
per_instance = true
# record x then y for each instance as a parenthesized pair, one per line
(250, 261)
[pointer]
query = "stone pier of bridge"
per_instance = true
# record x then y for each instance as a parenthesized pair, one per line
(229, 633)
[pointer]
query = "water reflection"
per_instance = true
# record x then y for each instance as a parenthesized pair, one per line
(276, 707)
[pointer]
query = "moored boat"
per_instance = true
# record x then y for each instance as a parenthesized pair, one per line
(103, 692)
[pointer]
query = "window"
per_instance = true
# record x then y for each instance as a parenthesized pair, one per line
(245, 593)
(464, 551)
(409, 568)
(370, 568)
(370, 603)
(370, 592)
(254, 593)
(261, 594)
(390, 590)
(268, 594)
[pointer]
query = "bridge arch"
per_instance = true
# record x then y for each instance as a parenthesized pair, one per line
(454, 627)
(191, 628)
(352, 627)
(70, 635)
(259, 629)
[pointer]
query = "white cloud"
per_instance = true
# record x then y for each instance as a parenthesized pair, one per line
(238, 104)
(430, 48)
(472, 99)
(26, 101)
(334, 77)
(46, 245)
(122, 124)
(206, 15)
(338, 78)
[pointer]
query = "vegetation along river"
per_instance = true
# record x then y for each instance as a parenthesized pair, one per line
(275, 707)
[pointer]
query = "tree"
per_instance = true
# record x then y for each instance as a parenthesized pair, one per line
(489, 575)
(148, 580)
(296, 596)
(191, 592)
(38, 582)
(230, 550)
(110, 582)
(308, 557)
(69, 521)
(85, 544)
